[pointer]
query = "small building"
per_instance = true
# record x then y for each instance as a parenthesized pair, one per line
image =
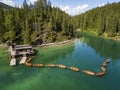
(24, 49)
(20, 50)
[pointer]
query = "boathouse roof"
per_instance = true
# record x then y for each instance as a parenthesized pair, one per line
(19, 47)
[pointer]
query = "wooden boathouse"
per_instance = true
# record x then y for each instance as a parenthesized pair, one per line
(17, 51)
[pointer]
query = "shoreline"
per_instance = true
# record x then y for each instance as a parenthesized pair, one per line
(56, 43)
(48, 44)
(3, 45)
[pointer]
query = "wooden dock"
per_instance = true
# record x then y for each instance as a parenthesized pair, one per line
(13, 62)
(18, 51)
(23, 60)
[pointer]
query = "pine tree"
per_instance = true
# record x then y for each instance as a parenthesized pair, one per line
(10, 25)
(26, 32)
(35, 22)
(111, 26)
(2, 27)
(101, 25)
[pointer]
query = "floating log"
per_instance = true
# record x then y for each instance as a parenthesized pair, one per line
(60, 66)
(37, 65)
(89, 72)
(103, 69)
(107, 61)
(29, 59)
(28, 64)
(50, 65)
(73, 68)
(104, 64)
(100, 73)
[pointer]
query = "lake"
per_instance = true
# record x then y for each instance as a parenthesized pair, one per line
(86, 53)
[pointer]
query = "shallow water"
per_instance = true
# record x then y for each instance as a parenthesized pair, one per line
(86, 53)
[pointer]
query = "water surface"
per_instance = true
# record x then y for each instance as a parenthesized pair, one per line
(86, 53)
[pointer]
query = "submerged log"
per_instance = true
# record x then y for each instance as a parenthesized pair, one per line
(100, 73)
(103, 69)
(74, 69)
(89, 72)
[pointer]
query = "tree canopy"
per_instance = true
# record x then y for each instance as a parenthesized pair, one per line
(43, 23)
(105, 19)
(35, 22)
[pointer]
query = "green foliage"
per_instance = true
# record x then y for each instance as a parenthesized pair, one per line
(111, 26)
(118, 25)
(35, 22)
(105, 19)
(2, 27)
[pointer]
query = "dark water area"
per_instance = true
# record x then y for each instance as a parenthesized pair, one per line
(88, 52)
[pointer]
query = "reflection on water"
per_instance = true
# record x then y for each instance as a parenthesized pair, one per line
(104, 47)
(51, 53)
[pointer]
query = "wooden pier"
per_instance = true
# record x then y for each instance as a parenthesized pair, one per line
(13, 62)
(19, 50)
(24, 58)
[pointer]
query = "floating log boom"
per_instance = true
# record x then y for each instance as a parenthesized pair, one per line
(103, 69)
(107, 61)
(73, 68)
(100, 73)
(60, 66)
(89, 72)
(50, 65)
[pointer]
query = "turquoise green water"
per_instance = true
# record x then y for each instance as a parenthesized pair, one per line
(86, 53)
